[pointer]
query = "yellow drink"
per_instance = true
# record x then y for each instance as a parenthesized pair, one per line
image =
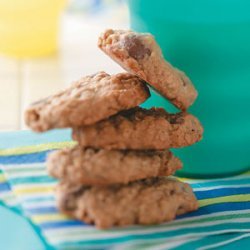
(29, 28)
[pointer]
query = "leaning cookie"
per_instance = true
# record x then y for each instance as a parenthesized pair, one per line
(141, 55)
(141, 129)
(89, 100)
(149, 201)
(90, 166)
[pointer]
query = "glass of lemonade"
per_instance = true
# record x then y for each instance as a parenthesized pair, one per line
(29, 27)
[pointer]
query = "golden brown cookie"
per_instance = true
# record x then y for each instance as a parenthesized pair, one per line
(89, 100)
(141, 129)
(90, 166)
(139, 54)
(149, 201)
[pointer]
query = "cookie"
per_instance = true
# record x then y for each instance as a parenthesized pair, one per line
(149, 201)
(90, 166)
(139, 54)
(89, 100)
(141, 129)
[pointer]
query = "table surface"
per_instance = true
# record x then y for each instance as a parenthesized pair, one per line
(22, 229)
(24, 81)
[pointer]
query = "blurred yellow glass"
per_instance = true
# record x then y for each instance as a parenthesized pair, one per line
(29, 28)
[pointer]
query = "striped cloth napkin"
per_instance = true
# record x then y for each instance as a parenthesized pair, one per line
(223, 218)
(6, 195)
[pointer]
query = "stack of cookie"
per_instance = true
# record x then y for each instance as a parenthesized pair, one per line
(116, 174)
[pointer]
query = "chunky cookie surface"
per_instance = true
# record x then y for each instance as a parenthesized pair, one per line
(90, 166)
(139, 54)
(89, 100)
(141, 129)
(149, 201)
